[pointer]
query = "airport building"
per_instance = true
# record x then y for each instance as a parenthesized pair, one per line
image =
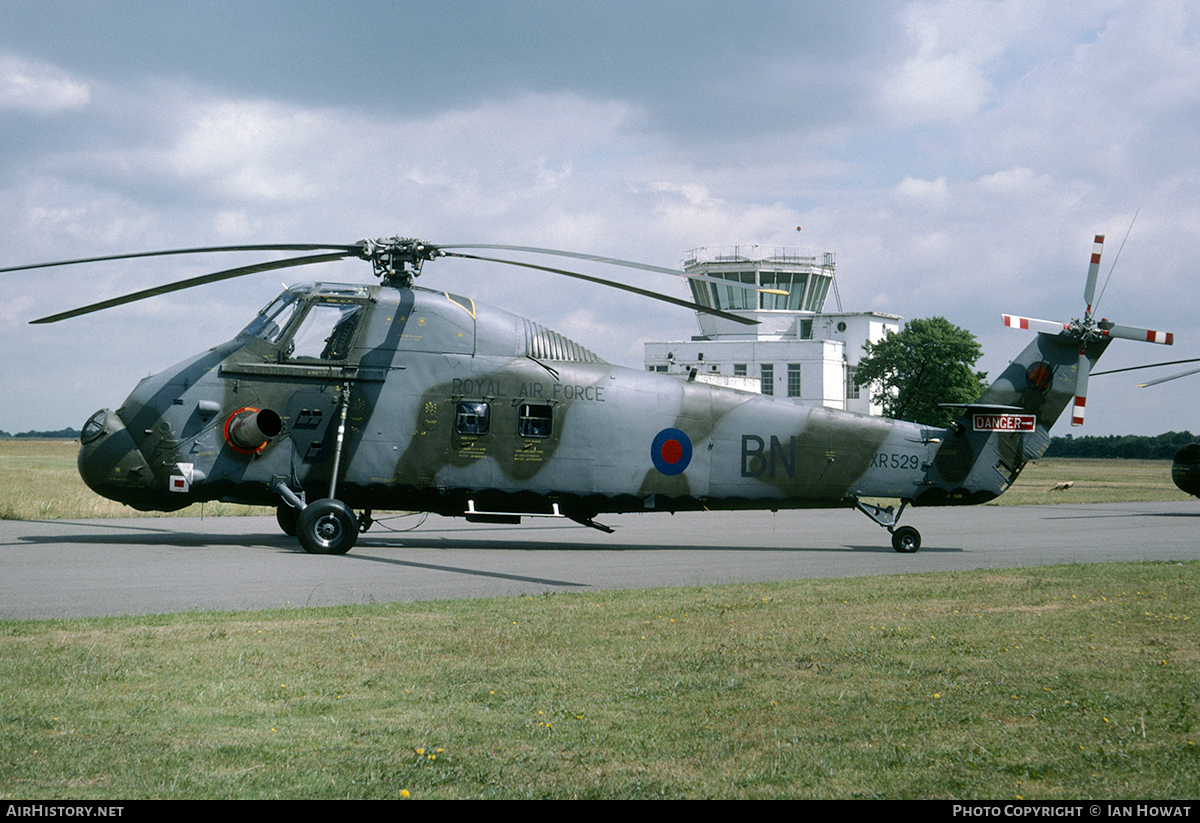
(798, 350)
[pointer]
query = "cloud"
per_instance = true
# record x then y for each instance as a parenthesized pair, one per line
(931, 194)
(40, 88)
(944, 78)
(946, 151)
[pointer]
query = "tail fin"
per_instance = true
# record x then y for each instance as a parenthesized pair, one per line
(1009, 425)
(1043, 380)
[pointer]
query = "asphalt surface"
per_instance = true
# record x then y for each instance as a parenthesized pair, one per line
(72, 568)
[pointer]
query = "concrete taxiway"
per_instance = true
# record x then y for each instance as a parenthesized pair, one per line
(70, 568)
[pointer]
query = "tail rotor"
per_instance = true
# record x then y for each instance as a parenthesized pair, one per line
(1088, 330)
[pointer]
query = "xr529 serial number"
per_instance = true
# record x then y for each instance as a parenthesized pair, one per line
(884, 460)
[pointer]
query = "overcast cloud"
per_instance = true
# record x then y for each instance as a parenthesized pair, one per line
(958, 157)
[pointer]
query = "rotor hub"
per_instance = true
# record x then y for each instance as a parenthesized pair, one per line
(397, 261)
(1086, 330)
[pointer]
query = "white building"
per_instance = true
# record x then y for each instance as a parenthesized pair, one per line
(798, 350)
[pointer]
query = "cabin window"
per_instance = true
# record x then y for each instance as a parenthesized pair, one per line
(473, 417)
(273, 321)
(326, 332)
(533, 420)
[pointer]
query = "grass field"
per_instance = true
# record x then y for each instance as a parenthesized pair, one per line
(1047, 683)
(39, 481)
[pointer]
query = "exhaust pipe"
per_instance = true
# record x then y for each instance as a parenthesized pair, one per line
(249, 430)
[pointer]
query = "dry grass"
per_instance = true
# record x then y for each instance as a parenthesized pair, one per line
(1093, 481)
(39, 481)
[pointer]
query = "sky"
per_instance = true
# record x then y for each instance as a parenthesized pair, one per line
(958, 157)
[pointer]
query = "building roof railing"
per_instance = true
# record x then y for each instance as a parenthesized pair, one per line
(755, 253)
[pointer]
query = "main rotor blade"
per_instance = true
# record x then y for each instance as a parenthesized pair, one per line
(1165, 379)
(1149, 366)
(180, 285)
(643, 292)
(615, 262)
(1089, 291)
(203, 250)
(577, 255)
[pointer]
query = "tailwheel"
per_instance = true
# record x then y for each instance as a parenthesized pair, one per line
(327, 526)
(906, 540)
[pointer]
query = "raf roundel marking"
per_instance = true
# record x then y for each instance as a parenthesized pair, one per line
(671, 451)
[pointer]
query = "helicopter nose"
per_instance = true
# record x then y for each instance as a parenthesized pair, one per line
(110, 462)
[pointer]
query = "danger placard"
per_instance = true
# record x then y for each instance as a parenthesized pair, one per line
(1004, 422)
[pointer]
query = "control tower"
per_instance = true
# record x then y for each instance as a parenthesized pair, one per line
(774, 285)
(798, 350)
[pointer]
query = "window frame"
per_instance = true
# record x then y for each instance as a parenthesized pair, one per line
(528, 420)
(467, 417)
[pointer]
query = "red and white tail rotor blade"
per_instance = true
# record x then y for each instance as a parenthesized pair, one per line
(1089, 291)
(1014, 321)
(1081, 382)
(1164, 338)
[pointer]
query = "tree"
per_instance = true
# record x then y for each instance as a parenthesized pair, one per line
(928, 363)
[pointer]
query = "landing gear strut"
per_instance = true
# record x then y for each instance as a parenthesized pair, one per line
(905, 539)
(325, 526)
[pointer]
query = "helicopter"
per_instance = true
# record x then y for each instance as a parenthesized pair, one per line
(338, 400)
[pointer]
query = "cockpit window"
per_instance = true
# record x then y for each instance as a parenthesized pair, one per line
(94, 427)
(326, 332)
(273, 321)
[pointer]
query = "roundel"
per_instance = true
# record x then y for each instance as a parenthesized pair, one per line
(1040, 376)
(671, 451)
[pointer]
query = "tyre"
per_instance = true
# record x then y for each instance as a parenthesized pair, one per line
(906, 540)
(286, 517)
(327, 526)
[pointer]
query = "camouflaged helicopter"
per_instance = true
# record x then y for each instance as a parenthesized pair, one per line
(337, 398)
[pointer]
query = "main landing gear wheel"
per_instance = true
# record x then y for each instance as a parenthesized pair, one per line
(906, 540)
(327, 526)
(287, 518)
